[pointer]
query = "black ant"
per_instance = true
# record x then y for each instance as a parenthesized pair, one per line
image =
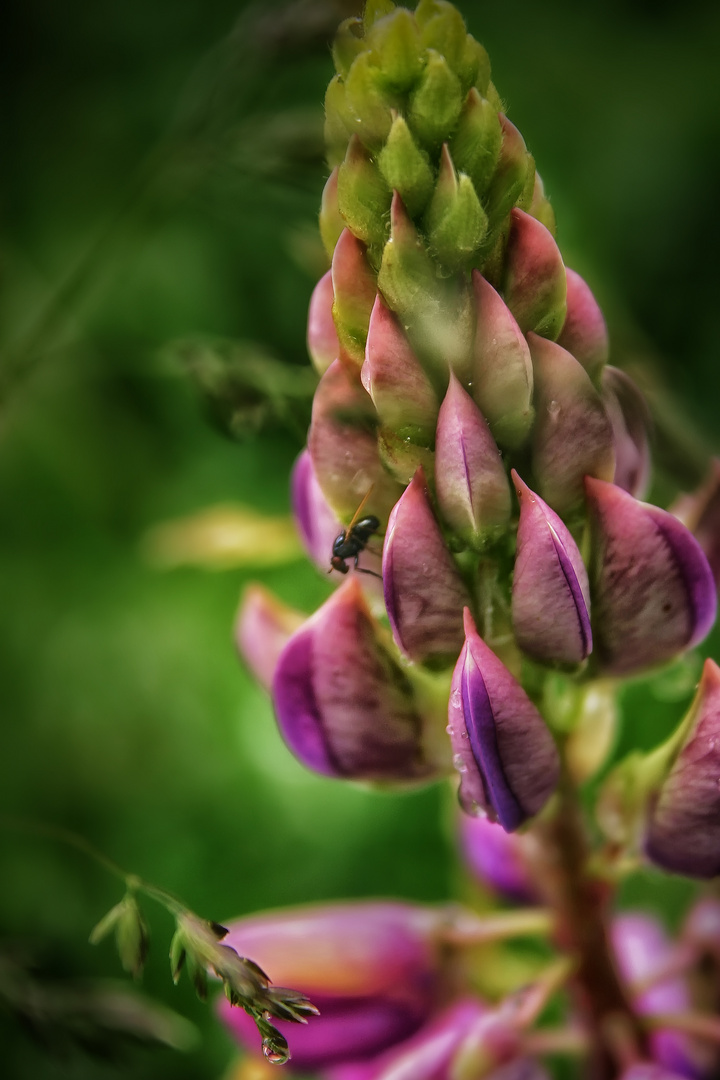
(350, 543)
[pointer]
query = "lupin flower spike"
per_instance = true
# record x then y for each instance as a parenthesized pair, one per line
(506, 757)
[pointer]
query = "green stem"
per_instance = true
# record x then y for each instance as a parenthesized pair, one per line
(466, 929)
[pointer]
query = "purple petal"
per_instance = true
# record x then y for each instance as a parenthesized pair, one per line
(534, 286)
(584, 333)
(506, 756)
(424, 593)
(317, 524)
(550, 592)
(653, 591)
(472, 488)
(683, 833)
(322, 340)
(343, 705)
(401, 391)
(343, 445)
(700, 512)
(502, 377)
(572, 436)
(262, 629)
(630, 418)
(496, 859)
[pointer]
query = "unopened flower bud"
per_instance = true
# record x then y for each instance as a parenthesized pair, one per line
(455, 221)
(504, 752)
(700, 512)
(348, 43)
(510, 175)
(472, 488)
(541, 209)
(572, 436)
(436, 102)
(322, 340)
(653, 593)
(476, 141)
(343, 704)
(534, 286)
(368, 101)
(584, 333)
(550, 592)
(496, 858)
(502, 376)
(406, 168)
(424, 592)
(354, 289)
(317, 524)
(397, 49)
(330, 218)
(372, 969)
(363, 195)
(630, 418)
(683, 828)
(263, 628)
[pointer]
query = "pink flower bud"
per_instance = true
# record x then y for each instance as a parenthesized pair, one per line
(322, 340)
(403, 395)
(496, 858)
(534, 286)
(550, 591)
(572, 436)
(372, 968)
(653, 592)
(343, 705)
(354, 289)
(343, 445)
(584, 333)
(472, 487)
(630, 418)
(262, 629)
(700, 512)
(506, 757)
(683, 829)
(424, 593)
(502, 376)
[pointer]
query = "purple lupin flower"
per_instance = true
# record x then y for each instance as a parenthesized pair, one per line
(550, 591)
(683, 826)
(653, 591)
(496, 858)
(700, 512)
(506, 757)
(263, 627)
(534, 287)
(584, 333)
(630, 418)
(424, 592)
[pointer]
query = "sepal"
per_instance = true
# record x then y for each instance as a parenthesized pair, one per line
(455, 221)
(435, 103)
(534, 284)
(475, 143)
(363, 195)
(584, 332)
(354, 290)
(322, 339)
(406, 168)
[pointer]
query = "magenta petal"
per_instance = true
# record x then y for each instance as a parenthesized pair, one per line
(343, 705)
(572, 436)
(584, 333)
(317, 524)
(354, 289)
(630, 418)
(472, 487)
(496, 858)
(506, 757)
(343, 444)
(322, 340)
(424, 593)
(683, 833)
(262, 629)
(550, 592)
(653, 591)
(534, 287)
(700, 512)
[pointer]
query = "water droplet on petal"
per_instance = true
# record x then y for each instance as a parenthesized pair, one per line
(459, 763)
(455, 698)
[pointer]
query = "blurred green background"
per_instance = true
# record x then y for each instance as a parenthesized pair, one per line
(161, 175)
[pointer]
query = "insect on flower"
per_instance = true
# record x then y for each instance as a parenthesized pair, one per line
(352, 542)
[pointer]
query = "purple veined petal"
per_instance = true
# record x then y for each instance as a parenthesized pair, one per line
(354, 290)
(534, 286)
(653, 591)
(343, 445)
(472, 487)
(642, 948)
(263, 627)
(424, 593)
(502, 375)
(630, 418)
(584, 333)
(403, 395)
(372, 969)
(496, 859)
(343, 705)
(550, 592)
(683, 827)
(504, 752)
(322, 340)
(572, 435)
(700, 512)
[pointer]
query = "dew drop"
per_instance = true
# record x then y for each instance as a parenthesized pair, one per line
(463, 734)
(459, 763)
(450, 729)
(273, 1055)
(455, 698)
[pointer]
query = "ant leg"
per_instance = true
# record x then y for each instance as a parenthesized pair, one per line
(362, 570)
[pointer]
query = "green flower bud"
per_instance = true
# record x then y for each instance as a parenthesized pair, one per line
(354, 289)
(331, 221)
(445, 32)
(475, 54)
(339, 121)
(376, 10)
(540, 207)
(396, 49)
(510, 175)
(367, 102)
(436, 103)
(456, 222)
(347, 45)
(406, 168)
(363, 196)
(475, 145)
